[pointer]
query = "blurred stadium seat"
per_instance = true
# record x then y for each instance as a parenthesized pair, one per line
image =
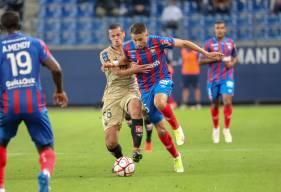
(74, 19)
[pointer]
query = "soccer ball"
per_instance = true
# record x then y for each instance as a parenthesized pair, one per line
(124, 167)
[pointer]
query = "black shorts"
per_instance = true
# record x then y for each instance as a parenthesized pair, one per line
(190, 80)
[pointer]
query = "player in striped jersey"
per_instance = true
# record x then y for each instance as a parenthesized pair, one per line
(21, 96)
(156, 86)
(221, 79)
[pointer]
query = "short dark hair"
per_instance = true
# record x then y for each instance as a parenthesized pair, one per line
(114, 26)
(219, 22)
(10, 21)
(138, 28)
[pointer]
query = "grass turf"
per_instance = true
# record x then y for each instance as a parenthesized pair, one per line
(251, 163)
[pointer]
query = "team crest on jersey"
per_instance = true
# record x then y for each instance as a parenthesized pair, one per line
(152, 50)
(166, 42)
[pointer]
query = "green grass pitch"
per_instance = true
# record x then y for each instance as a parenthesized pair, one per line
(251, 163)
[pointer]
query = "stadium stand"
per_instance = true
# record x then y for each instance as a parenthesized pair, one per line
(64, 22)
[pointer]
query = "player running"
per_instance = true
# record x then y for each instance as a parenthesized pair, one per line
(121, 96)
(22, 98)
(156, 86)
(221, 79)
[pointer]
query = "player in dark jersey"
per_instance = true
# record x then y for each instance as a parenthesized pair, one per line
(156, 86)
(21, 96)
(221, 79)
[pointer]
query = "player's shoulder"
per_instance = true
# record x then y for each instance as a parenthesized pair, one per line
(230, 40)
(129, 43)
(107, 49)
(210, 40)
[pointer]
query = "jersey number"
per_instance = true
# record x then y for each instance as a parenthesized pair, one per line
(21, 63)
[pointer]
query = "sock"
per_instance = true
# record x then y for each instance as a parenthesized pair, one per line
(116, 152)
(47, 160)
(227, 115)
(148, 128)
(169, 144)
(3, 161)
(215, 116)
(170, 117)
(137, 131)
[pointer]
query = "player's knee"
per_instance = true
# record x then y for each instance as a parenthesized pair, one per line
(160, 103)
(227, 103)
(135, 109)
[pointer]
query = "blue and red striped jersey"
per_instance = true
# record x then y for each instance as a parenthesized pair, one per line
(20, 60)
(153, 54)
(217, 71)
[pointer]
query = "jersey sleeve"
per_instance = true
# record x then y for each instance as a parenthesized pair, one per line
(44, 51)
(104, 57)
(165, 42)
(234, 51)
(125, 52)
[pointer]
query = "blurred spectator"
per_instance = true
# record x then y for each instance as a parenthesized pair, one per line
(15, 5)
(221, 6)
(190, 77)
(107, 8)
(139, 8)
(276, 6)
(171, 16)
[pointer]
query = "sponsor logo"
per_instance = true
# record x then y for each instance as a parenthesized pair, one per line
(16, 83)
(230, 84)
(154, 64)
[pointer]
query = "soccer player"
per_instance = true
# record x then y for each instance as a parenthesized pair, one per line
(121, 96)
(221, 79)
(22, 98)
(156, 86)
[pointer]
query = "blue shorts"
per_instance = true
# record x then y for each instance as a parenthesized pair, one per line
(216, 89)
(38, 126)
(163, 86)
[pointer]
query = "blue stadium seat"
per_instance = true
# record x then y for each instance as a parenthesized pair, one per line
(53, 25)
(84, 24)
(68, 38)
(52, 38)
(53, 10)
(69, 24)
(85, 9)
(85, 37)
(69, 10)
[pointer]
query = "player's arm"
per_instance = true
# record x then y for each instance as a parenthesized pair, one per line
(133, 69)
(188, 44)
(120, 62)
(204, 61)
(60, 97)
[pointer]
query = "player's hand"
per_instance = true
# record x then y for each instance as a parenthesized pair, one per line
(108, 65)
(140, 68)
(60, 99)
(214, 55)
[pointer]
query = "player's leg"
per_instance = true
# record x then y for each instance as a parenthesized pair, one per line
(40, 130)
(111, 141)
(227, 103)
(167, 141)
(227, 92)
(213, 92)
(112, 121)
(148, 128)
(160, 101)
(8, 129)
(134, 108)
